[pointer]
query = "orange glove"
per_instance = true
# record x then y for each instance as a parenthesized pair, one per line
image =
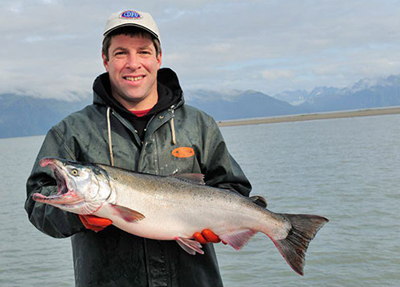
(94, 223)
(206, 236)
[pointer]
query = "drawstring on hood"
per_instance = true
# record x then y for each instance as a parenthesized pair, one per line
(172, 124)
(109, 136)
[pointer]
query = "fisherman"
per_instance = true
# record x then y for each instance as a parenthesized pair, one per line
(138, 121)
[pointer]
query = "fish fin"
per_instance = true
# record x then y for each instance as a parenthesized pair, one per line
(259, 200)
(189, 245)
(127, 214)
(238, 239)
(195, 178)
(293, 248)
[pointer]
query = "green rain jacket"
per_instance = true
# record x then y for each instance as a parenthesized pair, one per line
(113, 257)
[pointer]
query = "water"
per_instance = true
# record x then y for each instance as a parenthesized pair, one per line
(344, 169)
(27, 256)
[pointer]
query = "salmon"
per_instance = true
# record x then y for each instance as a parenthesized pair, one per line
(175, 207)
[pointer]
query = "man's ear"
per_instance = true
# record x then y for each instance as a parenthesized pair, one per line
(105, 61)
(159, 60)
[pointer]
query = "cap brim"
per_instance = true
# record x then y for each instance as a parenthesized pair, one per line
(132, 25)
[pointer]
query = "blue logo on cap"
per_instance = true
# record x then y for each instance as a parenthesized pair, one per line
(131, 15)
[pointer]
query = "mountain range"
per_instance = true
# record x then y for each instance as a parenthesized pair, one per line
(365, 94)
(22, 115)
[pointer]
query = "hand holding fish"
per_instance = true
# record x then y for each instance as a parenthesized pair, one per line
(206, 236)
(94, 223)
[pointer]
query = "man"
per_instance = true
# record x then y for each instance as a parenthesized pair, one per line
(138, 121)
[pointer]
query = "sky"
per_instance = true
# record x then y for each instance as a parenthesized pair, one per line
(52, 48)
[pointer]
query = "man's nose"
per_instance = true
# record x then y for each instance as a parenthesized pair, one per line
(133, 61)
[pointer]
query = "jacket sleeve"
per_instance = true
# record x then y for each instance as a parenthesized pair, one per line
(220, 168)
(48, 219)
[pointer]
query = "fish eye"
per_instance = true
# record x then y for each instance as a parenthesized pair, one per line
(74, 172)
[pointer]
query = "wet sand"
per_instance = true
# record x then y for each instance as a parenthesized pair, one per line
(315, 116)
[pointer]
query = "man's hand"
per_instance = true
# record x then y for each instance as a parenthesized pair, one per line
(206, 236)
(94, 223)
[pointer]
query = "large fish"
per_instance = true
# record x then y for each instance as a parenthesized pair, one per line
(175, 207)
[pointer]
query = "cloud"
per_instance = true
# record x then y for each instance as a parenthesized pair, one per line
(51, 48)
(277, 74)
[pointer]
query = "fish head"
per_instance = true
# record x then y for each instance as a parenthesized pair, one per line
(81, 188)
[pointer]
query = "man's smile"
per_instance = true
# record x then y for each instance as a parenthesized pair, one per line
(133, 79)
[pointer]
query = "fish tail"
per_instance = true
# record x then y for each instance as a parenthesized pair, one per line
(293, 248)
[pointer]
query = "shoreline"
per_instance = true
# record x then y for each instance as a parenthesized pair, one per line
(313, 116)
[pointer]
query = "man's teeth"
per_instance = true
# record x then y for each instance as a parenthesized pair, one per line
(133, 79)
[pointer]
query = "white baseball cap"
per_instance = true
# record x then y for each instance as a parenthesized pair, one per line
(132, 18)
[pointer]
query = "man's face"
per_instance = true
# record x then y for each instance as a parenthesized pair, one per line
(133, 66)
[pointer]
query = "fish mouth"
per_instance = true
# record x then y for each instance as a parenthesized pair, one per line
(65, 194)
(58, 173)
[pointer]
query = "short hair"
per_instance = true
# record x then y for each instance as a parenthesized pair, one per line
(129, 31)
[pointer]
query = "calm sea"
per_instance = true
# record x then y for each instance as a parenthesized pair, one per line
(345, 169)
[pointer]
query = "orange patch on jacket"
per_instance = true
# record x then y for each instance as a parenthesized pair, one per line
(183, 152)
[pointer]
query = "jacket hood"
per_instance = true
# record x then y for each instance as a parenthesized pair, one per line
(170, 96)
(169, 92)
